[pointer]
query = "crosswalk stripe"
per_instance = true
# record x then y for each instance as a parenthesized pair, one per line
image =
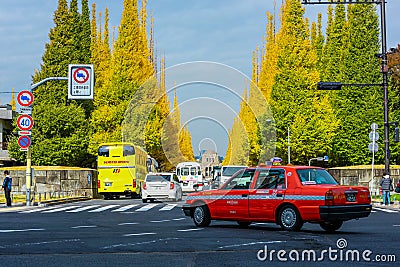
(36, 210)
(147, 207)
(59, 209)
(385, 210)
(83, 208)
(169, 207)
(125, 208)
(104, 208)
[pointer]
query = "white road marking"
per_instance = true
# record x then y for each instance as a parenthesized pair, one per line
(179, 219)
(189, 230)
(160, 221)
(128, 223)
(253, 243)
(104, 208)
(385, 210)
(37, 210)
(169, 207)
(147, 207)
(127, 207)
(59, 209)
(396, 225)
(19, 230)
(83, 208)
(84, 226)
(139, 234)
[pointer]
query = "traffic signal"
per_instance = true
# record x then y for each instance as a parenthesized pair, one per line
(396, 134)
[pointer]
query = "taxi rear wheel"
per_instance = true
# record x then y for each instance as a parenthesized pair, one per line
(331, 226)
(289, 218)
(201, 216)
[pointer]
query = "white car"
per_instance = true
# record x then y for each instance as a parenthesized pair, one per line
(228, 171)
(163, 185)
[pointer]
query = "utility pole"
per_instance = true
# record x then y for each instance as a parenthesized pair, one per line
(384, 65)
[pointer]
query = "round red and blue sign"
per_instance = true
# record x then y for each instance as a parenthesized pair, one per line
(24, 141)
(25, 98)
(25, 122)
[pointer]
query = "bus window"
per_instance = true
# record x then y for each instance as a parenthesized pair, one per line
(185, 171)
(104, 151)
(193, 171)
(129, 151)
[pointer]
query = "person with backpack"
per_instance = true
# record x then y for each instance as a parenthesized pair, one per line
(7, 187)
(387, 186)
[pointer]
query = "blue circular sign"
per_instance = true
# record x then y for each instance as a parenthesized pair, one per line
(24, 141)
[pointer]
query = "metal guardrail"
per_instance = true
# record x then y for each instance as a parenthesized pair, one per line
(20, 196)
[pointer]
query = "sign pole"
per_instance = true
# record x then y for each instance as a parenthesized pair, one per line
(28, 175)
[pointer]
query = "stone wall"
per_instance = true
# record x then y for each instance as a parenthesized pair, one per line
(51, 180)
(362, 175)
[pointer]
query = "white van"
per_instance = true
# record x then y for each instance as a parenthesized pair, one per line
(228, 171)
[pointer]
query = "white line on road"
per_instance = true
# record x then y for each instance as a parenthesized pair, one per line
(83, 208)
(252, 243)
(37, 210)
(128, 223)
(147, 207)
(160, 221)
(140, 234)
(179, 219)
(396, 225)
(60, 209)
(169, 207)
(189, 230)
(83, 226)
(104, 208)
(125, 208)
(385, 210)
(19, 230)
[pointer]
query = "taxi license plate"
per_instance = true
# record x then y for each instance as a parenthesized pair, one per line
(107, 184)
(351, 197)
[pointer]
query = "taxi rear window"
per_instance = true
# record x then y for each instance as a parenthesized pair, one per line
(315, 176)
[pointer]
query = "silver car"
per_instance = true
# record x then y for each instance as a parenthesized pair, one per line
(163, 185)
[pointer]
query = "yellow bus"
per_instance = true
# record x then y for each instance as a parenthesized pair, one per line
(122, 168)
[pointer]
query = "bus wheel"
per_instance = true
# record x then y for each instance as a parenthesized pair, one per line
(106, 196)
(144, 200)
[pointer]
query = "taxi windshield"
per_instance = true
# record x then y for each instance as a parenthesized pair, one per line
(315, 176)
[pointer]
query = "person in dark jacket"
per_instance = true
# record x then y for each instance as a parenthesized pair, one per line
(7, 187)
(387, 186)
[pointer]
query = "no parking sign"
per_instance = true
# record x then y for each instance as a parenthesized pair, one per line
(80, 81)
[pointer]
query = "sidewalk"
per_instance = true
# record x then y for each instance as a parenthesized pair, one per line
(394, 206)
(22, 205)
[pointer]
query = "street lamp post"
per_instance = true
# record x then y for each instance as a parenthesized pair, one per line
(384, 66)
(288, 141)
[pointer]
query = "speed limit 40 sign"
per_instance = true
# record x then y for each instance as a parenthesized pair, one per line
(25, 122)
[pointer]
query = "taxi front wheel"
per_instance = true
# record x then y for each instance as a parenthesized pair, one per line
(201, 216)
(289, 219)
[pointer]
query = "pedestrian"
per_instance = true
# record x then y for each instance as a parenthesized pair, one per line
(7, 187)
(387, 186)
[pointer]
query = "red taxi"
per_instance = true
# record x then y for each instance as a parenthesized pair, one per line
(286, 195)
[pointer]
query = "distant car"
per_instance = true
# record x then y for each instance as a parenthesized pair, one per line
(162, 185)
(285, 195)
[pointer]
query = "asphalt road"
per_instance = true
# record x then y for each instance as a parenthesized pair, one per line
(128, 232)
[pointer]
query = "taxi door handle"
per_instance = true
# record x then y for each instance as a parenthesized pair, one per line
(244, 195)
(279, 195)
